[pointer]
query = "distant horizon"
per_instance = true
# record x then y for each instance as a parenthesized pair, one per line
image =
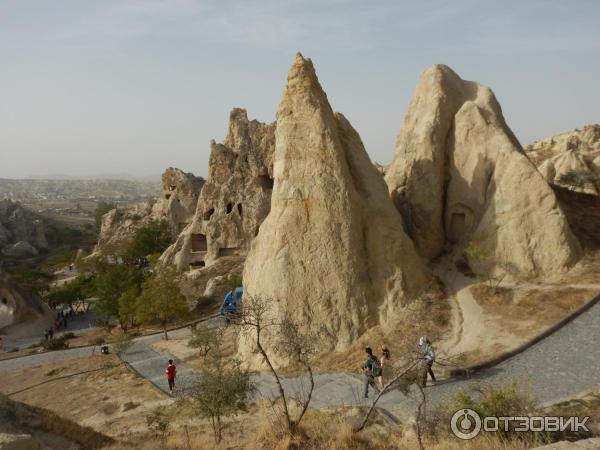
(98, 177)
(128, 87)
(120, 176)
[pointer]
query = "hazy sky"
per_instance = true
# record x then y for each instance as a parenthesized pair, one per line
(100, 87)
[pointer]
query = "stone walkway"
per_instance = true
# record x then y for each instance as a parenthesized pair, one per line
(561, 366)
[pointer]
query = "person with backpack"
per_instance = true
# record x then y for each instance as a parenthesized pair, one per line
(428, 356)
(384, 362)
(372, 370)
(171, 374)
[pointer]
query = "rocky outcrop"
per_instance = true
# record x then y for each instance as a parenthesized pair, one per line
(570, 159)
(176, 206)
(181, 191)
(22, 232)
(332, 252)
(25, 427)
(22, 313)
(460, 176)
(235, 199)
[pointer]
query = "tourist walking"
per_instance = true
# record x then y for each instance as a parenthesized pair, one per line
(371, 369)
(428, 356)
(384, 362)
(171, 374)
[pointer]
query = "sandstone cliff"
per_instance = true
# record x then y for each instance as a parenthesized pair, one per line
(332, 251)
(22, 313)
(460, 176)
(22, 232)
(570, 159)
(177, 205)
(235, 199)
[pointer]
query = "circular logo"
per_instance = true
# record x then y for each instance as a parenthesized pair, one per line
(465, 424)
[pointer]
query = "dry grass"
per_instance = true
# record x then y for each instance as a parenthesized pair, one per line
(429, 315)
(537, 308)
(95, 398)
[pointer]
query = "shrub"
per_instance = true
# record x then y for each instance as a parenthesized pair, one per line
(58, 343)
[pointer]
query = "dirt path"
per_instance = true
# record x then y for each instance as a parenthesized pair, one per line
(475, 331)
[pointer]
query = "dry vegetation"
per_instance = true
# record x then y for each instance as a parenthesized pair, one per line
(429, 315)
(538, 307)
(101, 392)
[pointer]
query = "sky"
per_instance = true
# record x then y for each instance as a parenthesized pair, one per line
(102, 87)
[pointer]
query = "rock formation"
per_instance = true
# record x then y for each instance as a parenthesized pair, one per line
(176, 206)
(332, 251)
(181, 191)
(235, 199)
(22, 232)
(460, 176)
(570, 159)
(22, 313)
(26, 427)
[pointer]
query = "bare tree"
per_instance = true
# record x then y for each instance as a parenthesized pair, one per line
(299, 347)
(405, 370)
(290, 343)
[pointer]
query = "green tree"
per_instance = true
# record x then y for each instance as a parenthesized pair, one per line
(72, 292)
(205, 339)
(111, 284)
(127, 308)
(101, 209)
(162, 301)
(221, 392)
(152, 238)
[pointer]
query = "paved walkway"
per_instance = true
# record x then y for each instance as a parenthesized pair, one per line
(561, 366)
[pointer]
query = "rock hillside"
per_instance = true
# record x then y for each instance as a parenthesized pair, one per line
(22, 232)
(460, 177)
(570, 159)
(235, 199)
(22, 313)
(177, 205)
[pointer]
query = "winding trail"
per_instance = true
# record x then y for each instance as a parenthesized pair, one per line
(558, 367)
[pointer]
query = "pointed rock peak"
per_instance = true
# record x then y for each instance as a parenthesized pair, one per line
(302, 74)
(303, 91)
(238, 114)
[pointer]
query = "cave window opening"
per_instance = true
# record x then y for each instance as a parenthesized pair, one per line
(197, 264)
(239, 208)
(208, 214)
(199, 243)
(229, 208)
(228, 251)
(457, 226)
(167, 196)
(265, 182)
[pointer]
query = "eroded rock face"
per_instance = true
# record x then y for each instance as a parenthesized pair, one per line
(332, 251)
(570, 159)
(181, 191)
(22, 232)
(176, 206)
(460, 176)
(22, 313)
(235, 199)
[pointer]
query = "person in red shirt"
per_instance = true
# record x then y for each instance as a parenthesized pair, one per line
(171, 374)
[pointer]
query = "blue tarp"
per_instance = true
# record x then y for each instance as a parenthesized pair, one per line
(231, 305)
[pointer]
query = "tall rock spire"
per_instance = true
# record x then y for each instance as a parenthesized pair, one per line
(332, 250)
